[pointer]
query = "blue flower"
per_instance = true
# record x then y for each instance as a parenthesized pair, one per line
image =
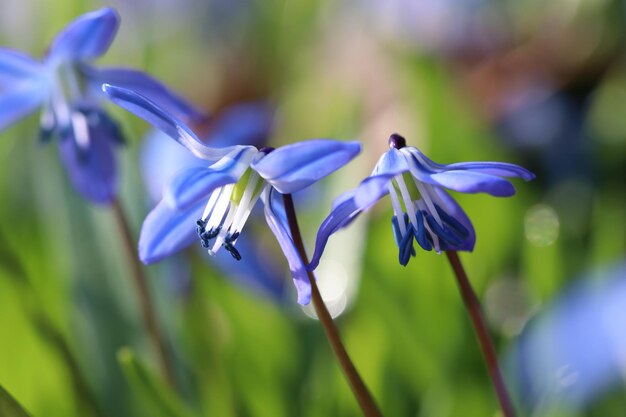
(423, 210)
(162, 158)
(217, 199)
(68, 90)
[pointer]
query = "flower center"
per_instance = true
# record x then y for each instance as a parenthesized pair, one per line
(70, 113)
(419, 213)
(227, 211)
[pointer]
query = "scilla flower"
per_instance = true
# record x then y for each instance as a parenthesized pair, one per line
(69, 90)
(423, 210)
(162, 158)
(228, 187)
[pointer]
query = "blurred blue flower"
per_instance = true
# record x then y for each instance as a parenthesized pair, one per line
(68, 90)
(162, 158)
(423, 210)
(238, 176)
(576, 349)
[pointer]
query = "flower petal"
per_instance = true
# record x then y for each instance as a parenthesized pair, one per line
(19, 101)
(166, 231)
(346, 208)
(161, 119)
(293, 167)
(87, 37)
(501, 169)
(143, 84)
(473, 182)
(371, 190)
(340, 216)
(392, 162)
(194, 183)
(92, 169)
(273, 206)
(15, 65)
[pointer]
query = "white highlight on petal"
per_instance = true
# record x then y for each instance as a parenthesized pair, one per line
(81, 130)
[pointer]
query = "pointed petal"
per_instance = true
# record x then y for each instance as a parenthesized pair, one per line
(371, 190)
(162, 120)
(18, 102)
(246, 123)
(87, 37)
(346, 208)
(143, 84)
(293, 167)
(15, 65)
(195, 183)
(453, 209)
(501, 169)
(273, 202)
(340, 216)
(166, 231)
(423, 168)
(473, 182)
(91, 170)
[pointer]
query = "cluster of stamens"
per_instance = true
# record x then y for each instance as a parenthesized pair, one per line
(226, 213)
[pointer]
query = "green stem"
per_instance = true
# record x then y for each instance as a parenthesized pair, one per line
(473, 308)
(360, 391)
(143, 294)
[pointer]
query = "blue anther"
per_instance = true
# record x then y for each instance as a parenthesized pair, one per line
(423, 238)
(232, 250)
(452, 222)
(446, 234)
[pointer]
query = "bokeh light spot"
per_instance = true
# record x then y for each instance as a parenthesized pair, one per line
(541, 225)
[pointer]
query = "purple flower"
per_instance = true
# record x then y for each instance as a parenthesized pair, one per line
(69, 92)
(423, 210)
(217, 199)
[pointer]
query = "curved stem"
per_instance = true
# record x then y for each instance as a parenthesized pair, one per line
(360, 391)
(473, 308)
(143, 294)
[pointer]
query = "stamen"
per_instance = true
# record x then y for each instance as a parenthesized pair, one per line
(221, 237)
(456, 225)
(406, 197)
(246, 202)
(397, 208)
(433, 235)
(425, 191)
(219, 211)
(423, 239)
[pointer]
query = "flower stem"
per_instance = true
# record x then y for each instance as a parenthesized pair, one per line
(143, 294)
(360, 391)
(473, 308)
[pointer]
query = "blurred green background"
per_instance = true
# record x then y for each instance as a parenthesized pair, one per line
(539, 84)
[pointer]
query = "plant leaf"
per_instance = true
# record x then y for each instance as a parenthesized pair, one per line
(9, 407)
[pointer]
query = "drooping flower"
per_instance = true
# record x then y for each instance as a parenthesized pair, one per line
(69, 92)
(162, 158)
(227, 189)
(423, 210)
